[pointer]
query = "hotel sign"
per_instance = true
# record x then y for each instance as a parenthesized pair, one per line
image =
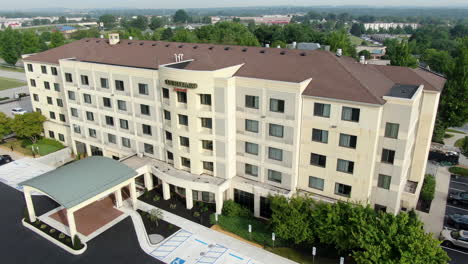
(181, 84)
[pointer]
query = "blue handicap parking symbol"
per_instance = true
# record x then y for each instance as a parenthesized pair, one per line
(178, 261)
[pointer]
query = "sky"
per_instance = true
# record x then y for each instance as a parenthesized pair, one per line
(156, 4)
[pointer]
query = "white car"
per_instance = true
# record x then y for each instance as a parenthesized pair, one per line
(454, 237)
(18, 111)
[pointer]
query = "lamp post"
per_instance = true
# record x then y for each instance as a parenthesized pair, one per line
(273, 237)
(314, 251)
(250, 231)
(341, 260)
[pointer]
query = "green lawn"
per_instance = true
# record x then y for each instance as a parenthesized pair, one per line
(13, 69)
(455, 131)
(459, 171)
(46, 146)
(355, 40)
(448, 135)
(459, 143)
(302, 257)
(7, 83)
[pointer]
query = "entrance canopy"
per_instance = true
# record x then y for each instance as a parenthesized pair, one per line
(75, 183)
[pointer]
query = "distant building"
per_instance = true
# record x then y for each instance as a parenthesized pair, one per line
(269, 20)
(387, 26)
(376, 52)
(304, 46)
(382, 37)
(215, 19)
(66, 29)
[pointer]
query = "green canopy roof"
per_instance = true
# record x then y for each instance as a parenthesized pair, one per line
(75, 183)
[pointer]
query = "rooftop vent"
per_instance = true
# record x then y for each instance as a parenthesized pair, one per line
(195, 47)
(87, 40)
(244, 49)
(180, 46)
(227, 48)
(130, 38)
(167, 45)
(283, 52)
(267, 45)
(154, 44)
(339, 52)
(362, 59)
(262, 51)
(210, 48)
(302, 54)
(97, 41)
(142, 43)
(130, 43)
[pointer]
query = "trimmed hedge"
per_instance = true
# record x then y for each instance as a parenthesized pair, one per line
(459, 171)
(428, 188)
(231, 208)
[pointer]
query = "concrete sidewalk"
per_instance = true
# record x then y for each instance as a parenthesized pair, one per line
(13, 75)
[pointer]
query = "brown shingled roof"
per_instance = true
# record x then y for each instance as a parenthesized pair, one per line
(332, 77)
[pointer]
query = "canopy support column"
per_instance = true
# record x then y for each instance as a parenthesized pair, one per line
(189, 198)
(29, 204)
(118, 198)
(219, 202)
(166, 191)
(71, 225)
(133, 194)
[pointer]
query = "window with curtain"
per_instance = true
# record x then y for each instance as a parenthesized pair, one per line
(318, 160)
(316, 183)
(252, 101)
(388, 156)
(350, 114)
(274, 176)
(275, 154)
(391, 130)
(251, 125)
(322, 110)
(345, 166)
(319, 135)
(251, 170)
(342, 189)
(348, 141)
(384, 181)
(276, 130)
(277, 105)
(251, 148)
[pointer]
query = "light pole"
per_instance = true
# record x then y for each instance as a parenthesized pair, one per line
(250, 232)
(341, 260)
(273, 238)
(314, 251)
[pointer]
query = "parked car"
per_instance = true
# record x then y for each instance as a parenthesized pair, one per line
(4, 159)
(458, 221)
(18, 111)
(458, 197)
(454, 238)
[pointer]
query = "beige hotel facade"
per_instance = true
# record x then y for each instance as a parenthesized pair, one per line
(217, 122)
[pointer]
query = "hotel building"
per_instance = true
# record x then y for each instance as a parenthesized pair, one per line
(217, 122)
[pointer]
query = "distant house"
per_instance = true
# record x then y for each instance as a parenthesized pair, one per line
(376, 52)
(304, 46)
(66, 29)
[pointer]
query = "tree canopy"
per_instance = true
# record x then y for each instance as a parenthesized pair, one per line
(5, 125)
(180, 16)
(56, 39)
(400, 55)
(108, 20)
(10, 45)
(28, 125)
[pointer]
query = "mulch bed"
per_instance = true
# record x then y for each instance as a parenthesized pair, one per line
(163, 228)
(65, 240)
(423, 206)
(177, 206)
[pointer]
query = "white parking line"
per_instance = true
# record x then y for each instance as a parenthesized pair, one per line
(456, 250)
(464, 183)
(459, 190)
(457, 208)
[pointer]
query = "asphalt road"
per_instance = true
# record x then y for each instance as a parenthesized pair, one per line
(20, 245)
(458, 255)
(24, 103)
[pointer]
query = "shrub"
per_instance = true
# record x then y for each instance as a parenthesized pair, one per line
(196, 214)
(26, 215)
(4, 98)
(62, 236)
(155, 215)
(156, 198)
(231, 208)
(77, 243)
(464, 146)
(459, 171)
(43, 226)
(38, 222)
(26, 142)
(428, 188)
(52, 231)
(173, 206)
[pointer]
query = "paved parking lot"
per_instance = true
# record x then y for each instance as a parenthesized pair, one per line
(24, 103)
(457, 184)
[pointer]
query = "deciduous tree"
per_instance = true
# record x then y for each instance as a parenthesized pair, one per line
(28, 125)
(5, 125)
(56, 39)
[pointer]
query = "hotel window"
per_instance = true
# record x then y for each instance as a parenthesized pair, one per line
(206, 122)
(104, 83)
(391, 130)
(319, 135)
(251, 125)
(184, 141)
(185, 162)
(76, 129)
(251, 170)
(38, 110)
(51, 134)
(49, 100)
(148, 148)
(87, 98)
(57, 87)
(71, 95)
(411, 186)
(181, 97)
(165, 93)
(276, 130)
(44, 69)
(207, 144)
(47, 85)
(322, 110)
(143, 88)
(275, 154)
(170, 155)
(33, 82)
(36, 97)
(106, 102)
(316, 183)
(54, 71)
(145, 109)
(251, 148)
(121, 105)
(109, 120)
(167, 115)
(61, 137)
(59, 102)
(62, 117)
(119, 85)
(84, 80)
(52, 115)
(318, 160)
(112, 138)
(126, 142)
(384, 181)
(30, 67)
(388, 156)
(342, 189)
(205, 99)
(183, 120)
(146, 129)
(208, 165)
(252, 101)
(89, 116)
(92, 132)
(74, 112)
(168, 135)
(350, 114)
(274, 176)
(123, 123)
(68, 77)
(277, 105)
(345, 166)
(348, 141)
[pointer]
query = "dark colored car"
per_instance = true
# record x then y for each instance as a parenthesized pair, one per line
(458, 221)
(458, 198)
(4, 159)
